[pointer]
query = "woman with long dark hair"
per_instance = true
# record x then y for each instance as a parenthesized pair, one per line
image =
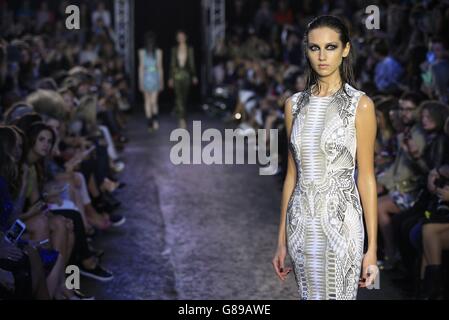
(182, 75)
(330, 126)
(151, 78)
(24, 263)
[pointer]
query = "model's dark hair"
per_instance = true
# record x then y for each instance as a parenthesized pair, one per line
(346, 67)
(150, 42)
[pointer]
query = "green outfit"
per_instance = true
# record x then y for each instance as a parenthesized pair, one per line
(182, 78)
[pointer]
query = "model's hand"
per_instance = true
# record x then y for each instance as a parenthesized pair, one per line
(170, 83)
(443, 193)
(370, 269)
(195, 80)
(278, 263)
(9, 251)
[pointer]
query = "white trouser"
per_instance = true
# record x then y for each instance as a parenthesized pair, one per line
(112, 152)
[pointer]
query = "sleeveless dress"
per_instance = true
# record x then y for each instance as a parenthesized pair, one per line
(325, 232)
(150, 75)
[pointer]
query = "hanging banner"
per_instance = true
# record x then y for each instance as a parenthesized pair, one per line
(123, 31)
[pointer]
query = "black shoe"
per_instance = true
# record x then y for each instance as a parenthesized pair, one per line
(82, 296)
(96, 252)
(111, 200)
(433, 283)
(106, 203)
(98, 273)
(101, 205)
(116, 219)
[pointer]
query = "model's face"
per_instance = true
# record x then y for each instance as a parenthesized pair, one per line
(407, 111)
(428, 123)
(43, 143)
(325, 51)
(438, 49)
(181, 37)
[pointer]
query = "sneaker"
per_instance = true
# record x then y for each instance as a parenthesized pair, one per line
(98, 273)
(82, 296)
(116, 219)
(118, 166)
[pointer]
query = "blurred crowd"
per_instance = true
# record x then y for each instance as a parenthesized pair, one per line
(64, 96)
(404, 67)
(63, 101)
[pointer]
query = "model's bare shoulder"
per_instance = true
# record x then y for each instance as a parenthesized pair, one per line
(288, 105)
(365, 119)
(288, 112)
(366, 105)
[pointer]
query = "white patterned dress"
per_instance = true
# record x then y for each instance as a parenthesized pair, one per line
(325, 233)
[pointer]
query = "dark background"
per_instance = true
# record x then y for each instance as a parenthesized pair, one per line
(165, 17)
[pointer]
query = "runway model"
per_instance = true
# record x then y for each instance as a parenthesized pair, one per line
(151, 79)
(182, 75)
(331, 127)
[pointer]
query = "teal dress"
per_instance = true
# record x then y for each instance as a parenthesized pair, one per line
(150, 73)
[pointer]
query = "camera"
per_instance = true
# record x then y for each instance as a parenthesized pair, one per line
(15, 232)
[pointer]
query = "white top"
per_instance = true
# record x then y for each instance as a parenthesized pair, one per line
(314, 163)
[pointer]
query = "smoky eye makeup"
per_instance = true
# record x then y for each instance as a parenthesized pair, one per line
(329, 46)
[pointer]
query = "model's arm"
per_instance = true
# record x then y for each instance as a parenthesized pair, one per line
(160, 68)
(289, 184)
(366, 127)
(192, 65)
